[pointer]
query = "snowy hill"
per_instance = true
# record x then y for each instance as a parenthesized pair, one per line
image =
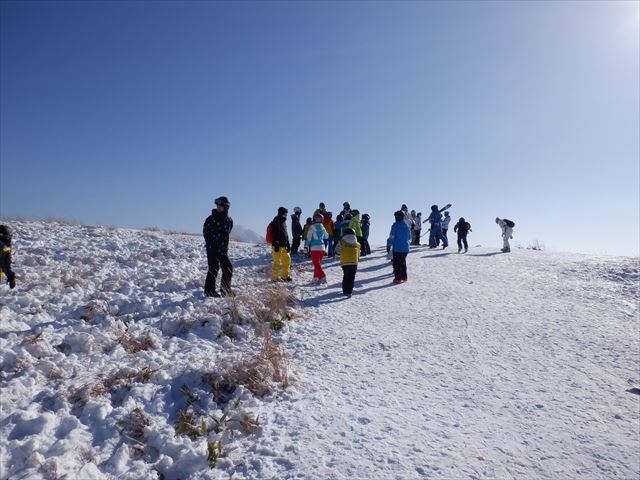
(242, 234)
(113, 365)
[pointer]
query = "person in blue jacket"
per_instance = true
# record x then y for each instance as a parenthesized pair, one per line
(435, 236)
(399, 240)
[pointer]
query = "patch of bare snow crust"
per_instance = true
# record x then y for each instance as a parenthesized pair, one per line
(482, 366)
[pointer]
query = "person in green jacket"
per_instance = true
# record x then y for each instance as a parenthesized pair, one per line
(354, 224)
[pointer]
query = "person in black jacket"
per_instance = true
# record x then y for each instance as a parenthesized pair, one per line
(296, 230)
(216, 230)
(462, 228)
(280, 247)
(5, 256)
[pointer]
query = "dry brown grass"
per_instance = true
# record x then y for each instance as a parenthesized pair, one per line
(132, 427)
(133, 345)
(32, 339)
(260, 372)
(118, 379)
(221, 387)
(187, 424)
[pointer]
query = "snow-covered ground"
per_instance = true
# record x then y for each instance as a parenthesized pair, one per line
(483, 365)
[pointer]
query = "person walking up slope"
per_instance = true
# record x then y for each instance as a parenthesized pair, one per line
(280, 247)
(315, 238)
(216, 230)
(399, 240)
(507, 233)
(462, 228)
(349, 250)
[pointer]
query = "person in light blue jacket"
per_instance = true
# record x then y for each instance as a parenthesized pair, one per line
(399, 240)
(316, 236)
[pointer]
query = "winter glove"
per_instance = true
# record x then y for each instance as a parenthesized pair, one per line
(388, 248)
(11, 280)
(276, 246)
(288, 248)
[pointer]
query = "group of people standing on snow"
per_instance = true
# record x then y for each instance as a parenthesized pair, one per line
(346, 237)
(439, 226)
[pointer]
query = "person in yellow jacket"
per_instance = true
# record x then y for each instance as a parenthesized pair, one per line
(349, 250)
(280, 247)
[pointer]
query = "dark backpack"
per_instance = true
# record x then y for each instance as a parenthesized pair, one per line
(509, 223)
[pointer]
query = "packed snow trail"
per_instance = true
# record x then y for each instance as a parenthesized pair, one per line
(483, 365)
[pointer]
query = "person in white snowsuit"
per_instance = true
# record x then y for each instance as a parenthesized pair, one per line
(507, 233)
(445, 224)
(417, 228)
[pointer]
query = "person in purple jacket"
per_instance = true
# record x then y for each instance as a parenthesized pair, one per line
(399, 240)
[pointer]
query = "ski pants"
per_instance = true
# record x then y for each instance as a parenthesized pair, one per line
(416, 237)
(399, 265)
(328, 245)
(462, 240)
(215, 260)
(506, 235)
(366, 248)
(316, 259)
(295, 245)
(281, 263)
(444, 235)
(348, 278)
(435, 236)
(335, 241)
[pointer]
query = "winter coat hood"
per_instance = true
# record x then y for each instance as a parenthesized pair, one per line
(350, 239)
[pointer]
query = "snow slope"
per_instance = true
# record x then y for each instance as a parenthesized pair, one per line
(483, 365)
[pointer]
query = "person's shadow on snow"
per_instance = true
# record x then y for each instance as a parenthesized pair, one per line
(330, 297)
(359, 291)
(491, 254)
(373, 267)
(443, 254)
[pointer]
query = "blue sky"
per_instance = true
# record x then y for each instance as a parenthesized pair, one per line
(139, 114)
